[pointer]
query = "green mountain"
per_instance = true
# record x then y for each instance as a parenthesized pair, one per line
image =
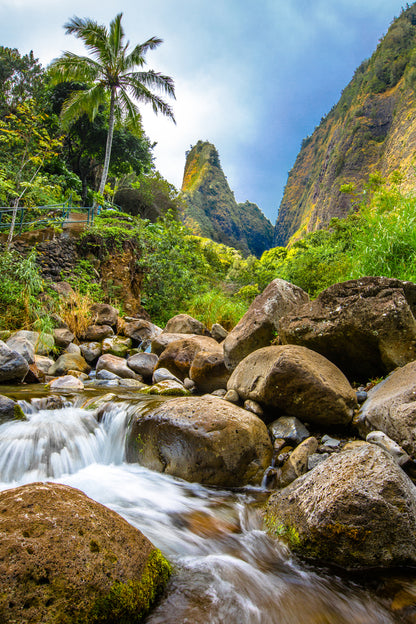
(210, 208)
(371, 129)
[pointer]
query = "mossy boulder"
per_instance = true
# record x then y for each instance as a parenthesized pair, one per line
(357, 509)
(65, 558)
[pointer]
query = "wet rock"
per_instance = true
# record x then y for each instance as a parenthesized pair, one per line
(253, 406)
(330, 443)
(106, 374)
(163, 374)
(104, 314)
(289, 428)
(361, 396)
(167, 387)
(218, 332)
(208, 370)
(386, 443)
(115, 345)
(34, 375)
(73, 559)
(259, 325)
(179, 356)
(10, 410)
(67, 382)
(143, 363)
(367, 327)
(135, 384)
(63, 337)
(115, 365)
(53, 401)
(96, 333)
(68, 361)
(185, 324)
(391, 408)
(140, 331)
(202, 439)
(297, 463)
(295, 381)
(13, 366)
(91, 351)
(357, 509)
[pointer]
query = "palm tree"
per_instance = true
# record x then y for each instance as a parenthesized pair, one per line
(112, 75)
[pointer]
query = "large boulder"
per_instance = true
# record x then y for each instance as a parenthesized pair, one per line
(116, 365)
(367, 327)
(391, 408)
(143, 363)
(295, 381)
(357, 509)
(66, 558)
(96, 333)
(10, 410)
(185, 324)
(104, 314)
(202, 439)
(67, 362)
(13, 366)
(163, 340)
(208, 370)
(261, 322)
(140, 331)
(42, 343)
(63, 337)
(179, 355)
(22, 345)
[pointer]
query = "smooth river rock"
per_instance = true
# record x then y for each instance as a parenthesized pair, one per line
(66, 558)
(295, 381)
(13, 366)
(357, 509)
(185, 324)
(202, 439)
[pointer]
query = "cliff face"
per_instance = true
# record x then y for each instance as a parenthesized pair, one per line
(372, 128)
(211, 209)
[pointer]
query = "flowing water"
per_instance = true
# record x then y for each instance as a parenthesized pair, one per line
(227, 570)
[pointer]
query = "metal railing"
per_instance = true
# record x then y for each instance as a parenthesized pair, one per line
(43, 216)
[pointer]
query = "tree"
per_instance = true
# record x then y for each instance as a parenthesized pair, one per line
(112, 78)
(20, 79)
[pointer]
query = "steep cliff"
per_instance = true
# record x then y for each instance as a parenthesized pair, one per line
(211, 209)
(371, 128)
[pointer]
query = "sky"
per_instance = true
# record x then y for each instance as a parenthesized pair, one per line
(253, 77)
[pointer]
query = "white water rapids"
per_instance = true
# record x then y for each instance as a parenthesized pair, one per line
(226, 569)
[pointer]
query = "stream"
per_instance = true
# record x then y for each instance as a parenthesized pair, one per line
(227, 570)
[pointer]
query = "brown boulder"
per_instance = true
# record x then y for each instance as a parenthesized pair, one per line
(357, 509)
(104, 314)
(208, 370)
(67, 362)
(161, 341)
(116, 365)
(367, 327)
(295, 381)
(96, 333)
(139, 330)
(185, 324)
(202, 439)
(66, 558)
(179, 355)
(260, 323)
(391, 408)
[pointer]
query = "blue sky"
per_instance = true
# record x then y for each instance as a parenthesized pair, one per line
(254, 77)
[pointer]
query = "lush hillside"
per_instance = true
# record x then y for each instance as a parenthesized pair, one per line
(372, 128)
(211, 209)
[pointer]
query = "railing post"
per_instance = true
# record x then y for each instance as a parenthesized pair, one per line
(22, 212)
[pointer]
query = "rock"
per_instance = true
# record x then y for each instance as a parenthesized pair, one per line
(361, 396)
(96, 333)
(69, 361)
(23, 346)
(289, 428)
(34, 375)
(135, 384)
(357, 509)
(10, 410)
(167, 387)
(202, 439)
(295, 381)
(106, 374)
(367, 327)
(190, 385)
(63, 337)
(221, 392)
(331, 443)
(104, 314)
(208, 370)
(260, 323)
(252, 406)
(391, 408)
(115, 345)
(162, 341)
(79, 375)
(386, 443)
(91, 351)
(73, 349)
(315, 459)
(73, 559)
(53, 401)
(43, 363)
(140, 331)
(67, 382)
(63, 289)
(232, 396)
(42, 343)
(218, 332)
(115, 365)
(178, 357)
(185, 324)
(297, 463)
(162, 374)
(143, 363)
(13, 366)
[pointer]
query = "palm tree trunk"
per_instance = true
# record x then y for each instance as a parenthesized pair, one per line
(109, 143)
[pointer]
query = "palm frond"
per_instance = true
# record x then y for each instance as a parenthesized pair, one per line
(128, 110)
(136, 56)
(150, 79)
(87, 101)
(73, 68)
(143, 94)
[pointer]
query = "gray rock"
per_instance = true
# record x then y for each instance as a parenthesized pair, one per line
(42, 343)
(13, 366)
(289, 428)
(96, 333)
(221, 392)
(386, 443)
(329, 442)
(43, 363)
(357, 509)
(73, 349)
(260, 323)
(105, 374)
(218, 332)
(63, 337)
(143, 363)
(116, 365)
(23, 346)
(162, 374)
(91, 351)
(316, 458)
(10, 410)
(66, 383)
